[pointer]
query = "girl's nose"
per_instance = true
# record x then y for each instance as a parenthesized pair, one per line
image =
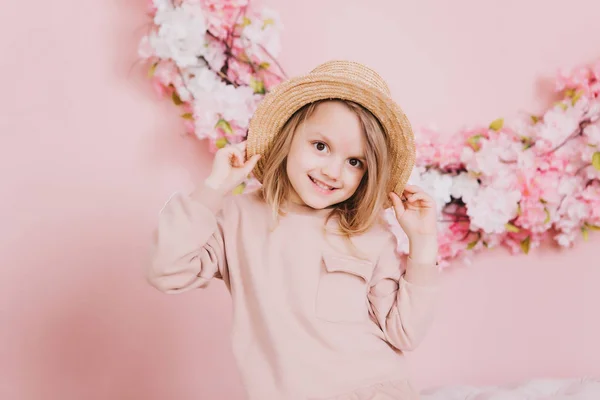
(332, 170)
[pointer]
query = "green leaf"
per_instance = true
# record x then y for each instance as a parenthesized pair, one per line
(585, 233)
(561, 105)
(267, 22)
(547, 215)
(257, 85)
(189, 116)
(576, 97)
(592, 227)
(176, 99)
(239, 189)
(152, 70)
(497, 124)
(221, 142)
(527, 144)
(525, 244)
(527, 141)
(511, 228)
(473, 141)
(224, 126)
(596, 160)
(472, 244)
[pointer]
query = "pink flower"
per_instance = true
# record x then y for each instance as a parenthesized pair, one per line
(215, 54)
(591, 196)
(511, 184)
(159, 88)
(438, 151)
(166, 72)
(452, 240)
(240, 72)
(524, 241)
(576, 78)
(189, 126)
(150, 8)
(215, 5)
(535, 216)
(223, 15)
(592, 134)
(270, 79)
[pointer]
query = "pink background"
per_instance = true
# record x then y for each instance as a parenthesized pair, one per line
(89, 155)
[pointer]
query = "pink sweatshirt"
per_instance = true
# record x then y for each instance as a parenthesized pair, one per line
(310, 321)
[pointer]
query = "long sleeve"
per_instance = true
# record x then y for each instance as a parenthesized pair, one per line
(403, 304)
(188, 246)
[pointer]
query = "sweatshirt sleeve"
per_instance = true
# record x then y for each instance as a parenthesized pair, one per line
(188, 248)
(403, 303)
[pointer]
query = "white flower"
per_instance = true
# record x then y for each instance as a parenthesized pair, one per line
(145, 50)
(181, 34)
(215, 55)
(235, 104)
(492, 207)
(162, 5)
(435, 183)
(593, 134)
(263, 32)
(492, 157)
(568, 185)
(572, 212)
(464, 186)
(215, 100)
(559, 124)
(566, 239)
(205, 121)
(203, 81)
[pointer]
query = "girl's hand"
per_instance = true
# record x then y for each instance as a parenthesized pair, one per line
(417, 213)
(230, 167)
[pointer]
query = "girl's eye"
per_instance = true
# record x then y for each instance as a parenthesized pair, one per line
(320, 146)
(355, 162)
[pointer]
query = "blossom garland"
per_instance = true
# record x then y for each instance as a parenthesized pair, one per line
(514, 183)
(216, 59)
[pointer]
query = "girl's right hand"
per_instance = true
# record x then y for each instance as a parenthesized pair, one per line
(230, 167)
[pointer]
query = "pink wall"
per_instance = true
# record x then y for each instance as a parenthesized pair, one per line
(89, 156)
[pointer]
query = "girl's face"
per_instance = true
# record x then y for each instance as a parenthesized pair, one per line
(326, 162)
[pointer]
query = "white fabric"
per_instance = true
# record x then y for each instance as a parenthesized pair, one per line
(536, 389)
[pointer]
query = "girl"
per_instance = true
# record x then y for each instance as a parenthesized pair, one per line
(322, 305)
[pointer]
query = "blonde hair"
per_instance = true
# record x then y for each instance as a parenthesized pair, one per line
(358, 213)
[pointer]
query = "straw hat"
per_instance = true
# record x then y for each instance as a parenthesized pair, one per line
(345, 80)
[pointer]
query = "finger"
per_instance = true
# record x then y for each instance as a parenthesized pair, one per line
(397, 203)
(251, 163)
(241, 146)
(236, 158)
(422, 197)
(408, 189)
(226, 152)
(417, 196)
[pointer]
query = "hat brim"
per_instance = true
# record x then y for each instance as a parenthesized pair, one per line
(288, 97)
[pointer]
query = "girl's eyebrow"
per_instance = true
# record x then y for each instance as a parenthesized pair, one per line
(322, 136)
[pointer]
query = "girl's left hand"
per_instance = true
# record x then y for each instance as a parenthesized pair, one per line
(417, 213)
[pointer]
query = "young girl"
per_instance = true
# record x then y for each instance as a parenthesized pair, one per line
(323, 308)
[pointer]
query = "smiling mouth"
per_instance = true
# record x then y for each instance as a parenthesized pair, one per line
(321, 185)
